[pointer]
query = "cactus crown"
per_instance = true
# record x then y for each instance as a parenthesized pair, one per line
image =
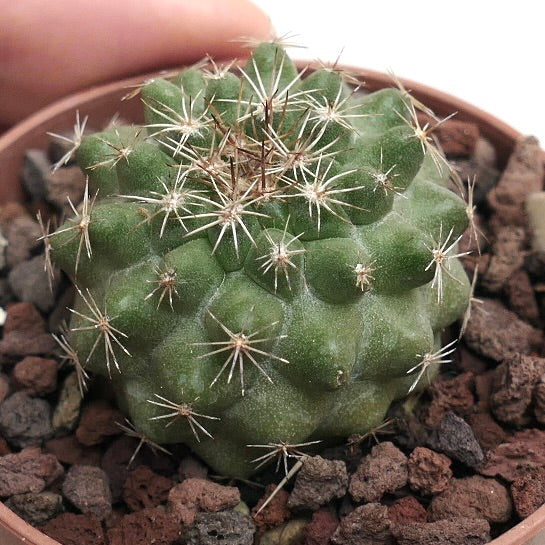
(268, 261)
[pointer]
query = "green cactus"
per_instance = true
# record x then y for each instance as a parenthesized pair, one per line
(270, 259)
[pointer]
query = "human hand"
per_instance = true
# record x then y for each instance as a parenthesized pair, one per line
(50, 49)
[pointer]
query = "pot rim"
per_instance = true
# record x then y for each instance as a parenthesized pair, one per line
(60, 115)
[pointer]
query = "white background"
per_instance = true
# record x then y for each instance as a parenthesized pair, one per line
(489, 53)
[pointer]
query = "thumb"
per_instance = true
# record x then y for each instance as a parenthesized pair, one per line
(49, 49)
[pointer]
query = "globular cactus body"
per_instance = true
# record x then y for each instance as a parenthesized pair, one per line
(266, 259)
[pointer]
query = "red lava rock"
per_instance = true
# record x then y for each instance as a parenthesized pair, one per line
(522, 176)
(88, 489)
(144, 488)
(513, 384)
(458, 531)
(495, 332)
(317, 483)
(189, 497)
(69, 451)
(24, 420)
(23, 317)
(274, 514)
(71, 529)
(472, 497)
(506, 258)
(521, 296)
(98, 421)
(36, 376)
(152, 525)
(25, 333)
(115, 461)
(321, 528)
(27, 471)
(429, 471)
(383, 470)
(452, 394)
(191, 467)
(487, 431)
(406, 509)
(521, 452)
(528, 491)
(367, 525)
(454, 437)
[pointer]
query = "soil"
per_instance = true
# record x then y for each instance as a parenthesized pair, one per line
(458, 465)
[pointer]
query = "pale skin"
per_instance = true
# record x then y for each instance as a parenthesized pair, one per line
(50, 49)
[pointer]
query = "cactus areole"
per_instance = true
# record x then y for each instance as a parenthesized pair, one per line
(267, 262)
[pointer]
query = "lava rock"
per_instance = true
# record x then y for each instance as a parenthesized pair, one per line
(274, 514)
(322, 526)
(472, 497)
(429, 471)
(63, 184)
(512, 388)
(522, 176)
(528, 491)
(99, 420)
(87, 488)
(72, 529)
(487, 431)
(450, 394)
(505, 259)
(366, 525)
(69, 451)
(27, 471)
(25, 420)
(520, 453)
(191, 496)
(406, 509)
(144, 527)
(458, 531)
(229, 527)
(145, 489)
(497, 333)
(29, 282)
(318, 482)
(454, 437)
(36, 376)
(25, 333)
(383, 470)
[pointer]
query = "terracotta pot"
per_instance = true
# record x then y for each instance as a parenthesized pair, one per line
(101, 103)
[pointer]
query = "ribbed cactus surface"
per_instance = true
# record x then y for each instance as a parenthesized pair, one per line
(269, 260)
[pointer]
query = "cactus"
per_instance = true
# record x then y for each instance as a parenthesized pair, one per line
(266, 263)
